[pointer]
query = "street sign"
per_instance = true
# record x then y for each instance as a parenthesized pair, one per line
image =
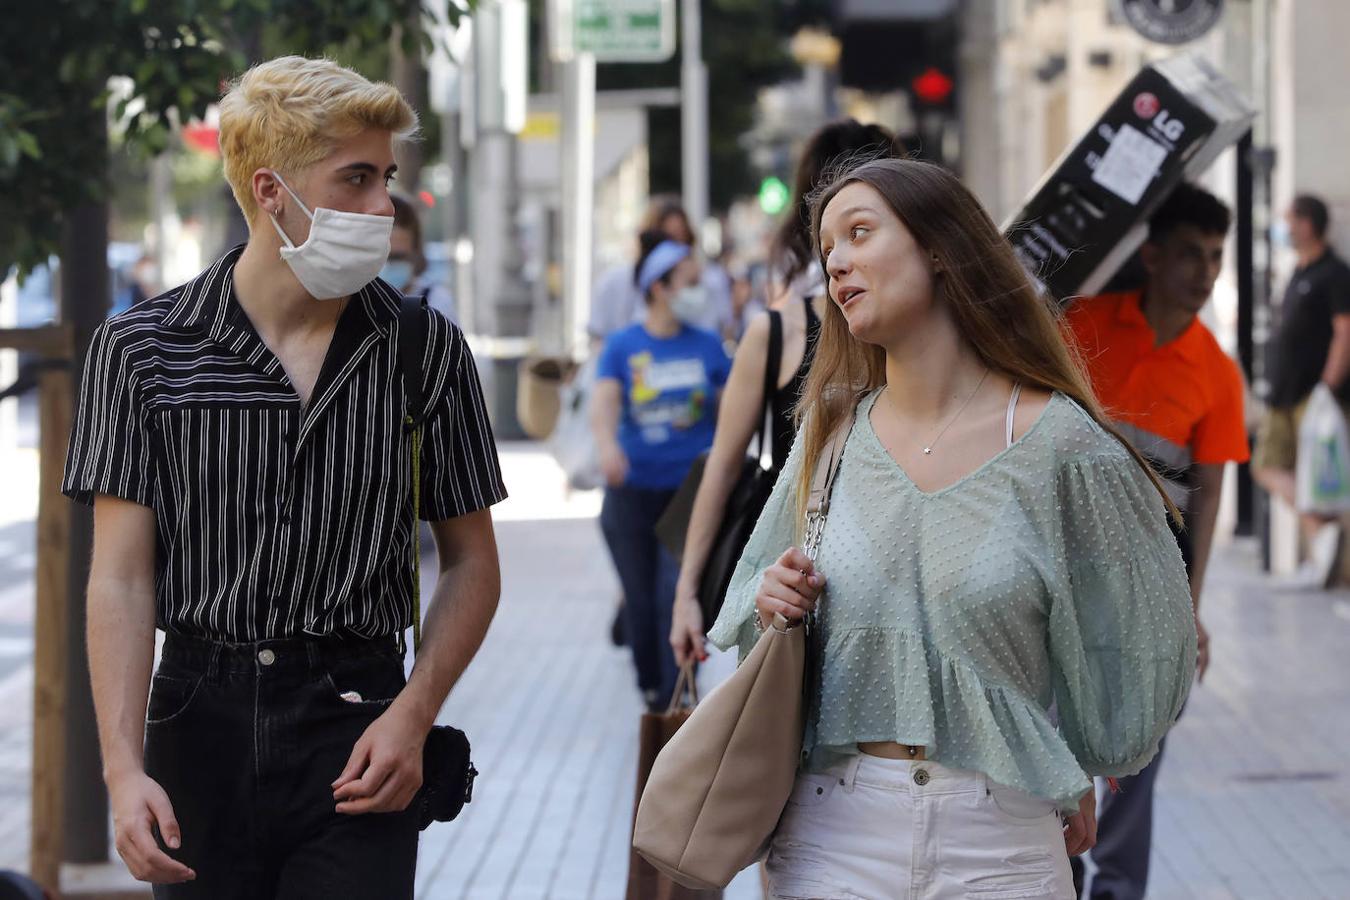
(615, 31)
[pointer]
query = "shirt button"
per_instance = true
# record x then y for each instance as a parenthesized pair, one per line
(266, 657)
(921, 777)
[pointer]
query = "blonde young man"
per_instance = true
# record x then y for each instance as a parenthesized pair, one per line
(240, 438)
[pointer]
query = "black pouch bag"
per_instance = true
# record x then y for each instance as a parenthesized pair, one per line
(447, 767)
(744, 505)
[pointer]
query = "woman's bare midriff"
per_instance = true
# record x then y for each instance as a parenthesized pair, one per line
(892, 750)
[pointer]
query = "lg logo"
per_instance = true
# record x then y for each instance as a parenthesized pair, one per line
(1148, 107)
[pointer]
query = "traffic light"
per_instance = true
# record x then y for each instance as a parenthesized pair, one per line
(899, 46)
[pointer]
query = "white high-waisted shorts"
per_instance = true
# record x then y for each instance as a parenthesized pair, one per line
(891, 829)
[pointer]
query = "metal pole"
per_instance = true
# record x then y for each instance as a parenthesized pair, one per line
(694, 117)
(1246, 291)
(578, 150)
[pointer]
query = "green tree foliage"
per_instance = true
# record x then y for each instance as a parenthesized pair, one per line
(171, 56)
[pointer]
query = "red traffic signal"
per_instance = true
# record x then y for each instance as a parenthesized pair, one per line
(933, 86)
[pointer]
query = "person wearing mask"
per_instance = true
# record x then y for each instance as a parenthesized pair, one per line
(616, 302)
(1312, 345)
(241, 440)
(993, 546)
(1172, 390)
(656, 394)
(800, 303)
(406, 270)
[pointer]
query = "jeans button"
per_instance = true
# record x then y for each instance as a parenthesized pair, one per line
(266, 657)
(921, 777)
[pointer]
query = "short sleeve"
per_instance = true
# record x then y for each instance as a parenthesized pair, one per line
(1221, 434)
(110, 447)
(460, 472)
(612, 303)
(1121, 630)
(719, 364)
(775, 532)
(1338, 286)
(612, 364)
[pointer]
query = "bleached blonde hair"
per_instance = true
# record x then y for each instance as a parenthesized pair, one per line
(290, 112)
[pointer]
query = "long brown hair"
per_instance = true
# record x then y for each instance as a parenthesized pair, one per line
(997, 310)
(846, 139)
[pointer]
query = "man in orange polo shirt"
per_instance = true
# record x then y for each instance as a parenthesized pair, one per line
(1170, 388)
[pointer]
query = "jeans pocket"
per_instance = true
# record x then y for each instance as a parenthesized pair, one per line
(369, 682)
(170, 697)
(811, 790)
(1019, 806)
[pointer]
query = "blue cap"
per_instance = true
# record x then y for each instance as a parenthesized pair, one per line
(664, 257)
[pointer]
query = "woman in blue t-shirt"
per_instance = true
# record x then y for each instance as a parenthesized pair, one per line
(654, 412)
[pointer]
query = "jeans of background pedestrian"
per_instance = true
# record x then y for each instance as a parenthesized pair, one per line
(648, 574)
(247, 739)
(885, 828)
(1125, 819)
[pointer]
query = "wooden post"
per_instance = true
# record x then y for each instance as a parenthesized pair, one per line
(51, 633)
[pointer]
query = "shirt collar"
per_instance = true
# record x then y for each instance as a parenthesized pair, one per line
(208, 301)
(1130, 313)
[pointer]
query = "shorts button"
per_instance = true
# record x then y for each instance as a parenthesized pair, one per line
(921, 777)
(266, 657)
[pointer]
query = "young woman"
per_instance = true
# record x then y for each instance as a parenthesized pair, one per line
(992, 547)
(801, 299)
(654, 407)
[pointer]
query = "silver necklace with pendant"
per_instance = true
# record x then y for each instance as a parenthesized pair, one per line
(928, 450)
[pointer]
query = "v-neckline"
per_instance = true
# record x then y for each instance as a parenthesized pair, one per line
(866, 416)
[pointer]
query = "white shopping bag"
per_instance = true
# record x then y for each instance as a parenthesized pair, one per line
(572, 443)
(1323, 472)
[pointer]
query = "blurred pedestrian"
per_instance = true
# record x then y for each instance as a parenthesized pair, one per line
(241, 440)
(1172, 390)
(617, 303)
(992, 545)
(656, 393)
(800, 291)
(1312, 346)
(406, 269)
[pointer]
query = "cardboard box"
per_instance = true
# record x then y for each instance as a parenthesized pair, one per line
(1090, 212)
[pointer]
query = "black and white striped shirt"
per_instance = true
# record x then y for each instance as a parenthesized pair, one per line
(273, 520)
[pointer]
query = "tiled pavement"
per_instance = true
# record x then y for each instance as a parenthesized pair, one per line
(1254, 800)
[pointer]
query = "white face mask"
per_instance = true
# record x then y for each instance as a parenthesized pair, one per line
(690, 304)
(344, 252)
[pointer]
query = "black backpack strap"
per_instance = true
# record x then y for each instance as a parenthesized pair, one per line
(772, 365)
(412, 344)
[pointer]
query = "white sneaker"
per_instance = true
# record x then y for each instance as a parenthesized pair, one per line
(1307, 577)
(1324, 552)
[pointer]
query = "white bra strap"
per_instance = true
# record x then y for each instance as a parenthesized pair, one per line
(1012, 408)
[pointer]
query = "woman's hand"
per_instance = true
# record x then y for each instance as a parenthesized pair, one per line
(1080, 829)
(686, 631)
(613, 464)
(790, 588)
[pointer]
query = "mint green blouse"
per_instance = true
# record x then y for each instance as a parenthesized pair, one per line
(955, 618)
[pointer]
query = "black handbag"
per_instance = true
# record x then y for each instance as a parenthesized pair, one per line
(448, 772)
(744, 504)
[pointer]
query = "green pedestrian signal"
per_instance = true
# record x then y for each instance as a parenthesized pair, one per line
(773, 195)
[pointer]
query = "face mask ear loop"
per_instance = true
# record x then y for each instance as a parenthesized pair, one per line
(289, 244)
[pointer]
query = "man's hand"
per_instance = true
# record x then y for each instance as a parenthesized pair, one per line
(1080, 829)
(139, 805)
(385, 768)
(1202, 649)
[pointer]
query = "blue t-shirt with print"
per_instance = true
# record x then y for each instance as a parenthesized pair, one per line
(669, 387)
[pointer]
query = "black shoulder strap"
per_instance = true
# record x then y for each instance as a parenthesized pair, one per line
(412, 342)
(772, 365)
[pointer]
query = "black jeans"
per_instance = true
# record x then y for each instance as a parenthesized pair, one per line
(648, 574)
(247, 739)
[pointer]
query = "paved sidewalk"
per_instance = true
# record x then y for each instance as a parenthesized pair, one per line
(1253, 800)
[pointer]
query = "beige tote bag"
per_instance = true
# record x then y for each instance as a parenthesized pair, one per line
(718, 788)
